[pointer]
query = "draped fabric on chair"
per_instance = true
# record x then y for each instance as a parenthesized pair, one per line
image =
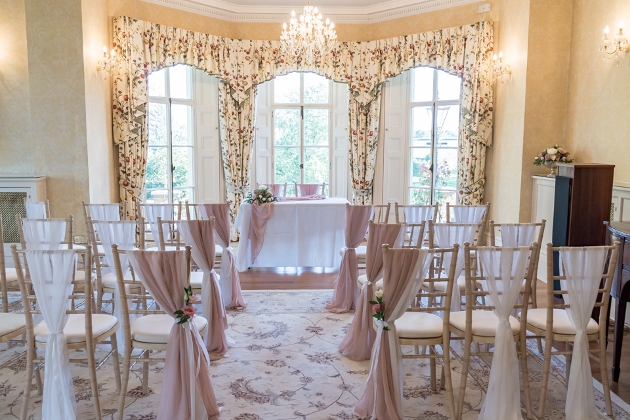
(199, 235)
(357, 344)
(505, 269)
(447, 235)
(404, 273)
(36, 209)
(418, 214)
(230, 280)
(346, 290)
(583, 268)
(305, 190)
(237, 136)
(123, 234)
(109, 212)
(186, 387)
(52, 274)
(164, 212)
(275, 189)
(44, 234)
(468, 214)
(143, 47)
(517, 234)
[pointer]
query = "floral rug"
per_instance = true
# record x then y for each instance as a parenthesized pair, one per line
(285, 365)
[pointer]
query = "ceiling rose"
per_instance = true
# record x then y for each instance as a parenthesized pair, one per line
(308, 37)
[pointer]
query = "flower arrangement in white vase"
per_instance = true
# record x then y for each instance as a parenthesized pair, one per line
(550, 158)
(261, 195)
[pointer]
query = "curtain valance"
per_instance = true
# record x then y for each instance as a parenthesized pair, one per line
(143, 47)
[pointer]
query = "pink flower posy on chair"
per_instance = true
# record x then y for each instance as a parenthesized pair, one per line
(188, 311)
(379, 307)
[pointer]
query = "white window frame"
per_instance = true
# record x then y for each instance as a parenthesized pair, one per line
(435, 103)
(302, 106)
(168, 101)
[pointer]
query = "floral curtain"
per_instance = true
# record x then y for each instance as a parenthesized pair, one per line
(143, 47)
(237, 129)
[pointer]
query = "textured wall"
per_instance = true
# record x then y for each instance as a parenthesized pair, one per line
(598, 127)
(57, 96)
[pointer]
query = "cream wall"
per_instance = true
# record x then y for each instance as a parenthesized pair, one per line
(598, 126)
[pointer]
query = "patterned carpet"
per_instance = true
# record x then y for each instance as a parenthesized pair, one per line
(285, 365)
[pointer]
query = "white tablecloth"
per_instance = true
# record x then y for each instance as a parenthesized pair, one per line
(298, 234)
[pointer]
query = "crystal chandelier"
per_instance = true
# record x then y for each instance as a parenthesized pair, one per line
(308, 37)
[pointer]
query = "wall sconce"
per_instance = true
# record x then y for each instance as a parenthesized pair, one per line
(499, 68)
(106, 63)
(612, 46)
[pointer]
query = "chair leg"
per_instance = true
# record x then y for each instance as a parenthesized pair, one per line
(525, 375)
(125, 382)
(27, 384)
(92, 368)
(115, 362)
(145, 373)
(464, 376)
(432, 366)
(545, 378)
(38, 381)
(540, 347)
(447, 381)
(604, 372)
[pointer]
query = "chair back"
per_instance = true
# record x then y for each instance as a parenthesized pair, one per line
(414, 234)
(381, 213)
(151, 212)
(127, 234)
(278, 190)
(457, 213)
(105, 211)
(516, 234)
(303, 190)
(45, 233)
(415, 213)
(37, 209)
(169, 234)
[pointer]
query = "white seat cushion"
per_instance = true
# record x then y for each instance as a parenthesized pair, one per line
(561, 322)
(110, 282)
(196, 278)
(157, 328)
(484, 323)
(419, 325)
(75, 327)
(440, 286)
(10, 322)
(11, 275)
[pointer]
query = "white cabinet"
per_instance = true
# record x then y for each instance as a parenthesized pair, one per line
(542, 208)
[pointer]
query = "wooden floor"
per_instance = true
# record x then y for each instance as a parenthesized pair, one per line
(318, 278)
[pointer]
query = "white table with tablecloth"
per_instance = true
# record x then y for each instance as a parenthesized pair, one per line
(299, 234)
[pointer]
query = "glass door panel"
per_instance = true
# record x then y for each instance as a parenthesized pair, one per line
(316, 127)
(287, 127)
(421, 126)
(316, 164)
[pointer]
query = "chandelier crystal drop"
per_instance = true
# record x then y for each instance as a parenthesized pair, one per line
(308, 37)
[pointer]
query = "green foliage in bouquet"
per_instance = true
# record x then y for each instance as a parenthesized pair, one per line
(552, 154)
(261, 195)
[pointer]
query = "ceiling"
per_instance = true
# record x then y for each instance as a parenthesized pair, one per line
(346, 11)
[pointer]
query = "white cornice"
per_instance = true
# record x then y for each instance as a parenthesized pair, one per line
(390, 9)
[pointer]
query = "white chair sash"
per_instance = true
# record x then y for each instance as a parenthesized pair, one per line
(583, 268)
(418, 214)
(447, 235)
(36, 210)
(517, 234)
(44, 234)
(122, 234)
(52, 274)
(468, 214)
(505, 269)
(225, 271)
(109, 212)
(163, 211)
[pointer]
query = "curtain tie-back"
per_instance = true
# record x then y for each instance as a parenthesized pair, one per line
(361, 192)
(236, 189)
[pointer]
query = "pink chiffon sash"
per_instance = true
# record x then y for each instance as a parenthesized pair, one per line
(357, 344)
(199, 235)
(346, 291)
(229, 274)
(275, 188)
(305, 190)
(187, 365)
(260, 216)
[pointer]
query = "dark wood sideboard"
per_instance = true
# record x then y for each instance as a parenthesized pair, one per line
(619, 231)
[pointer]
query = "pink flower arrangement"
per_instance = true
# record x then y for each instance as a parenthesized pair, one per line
(193, 299)
(188, 311)
(379, 307)
(552, 154)
(261, 195)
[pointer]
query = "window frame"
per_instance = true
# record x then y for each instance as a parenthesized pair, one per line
(169, 102)
(435, 103)
(302, 106)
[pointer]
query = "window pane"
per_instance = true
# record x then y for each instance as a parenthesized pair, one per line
(286, 89)
(316, 127)
(157, 124)
(286, 126)
(446, 169)
(157, 83)
(180, 82)
(316, 89)
(316, 165)
(157, 197)
(420, 196)
(422, 90)
(449, 86)
(420, 175)
(447, 125)
(183, 195)
(182, 124)
(183, 164)
(421, 125)
(287, 160)
(157, 167)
